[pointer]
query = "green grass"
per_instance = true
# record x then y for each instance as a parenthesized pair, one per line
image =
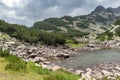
(16, 75)
(4, 36)
(14, 68)
(33, 73)
(75, 45)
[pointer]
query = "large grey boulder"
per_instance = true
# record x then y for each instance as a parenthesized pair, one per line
(63, 56)
(55, 68)
(39, 59)
(106, 73)
(33, 55)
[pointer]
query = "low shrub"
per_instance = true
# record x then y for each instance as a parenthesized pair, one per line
(15, 63)
(4, 53)
(50, 78)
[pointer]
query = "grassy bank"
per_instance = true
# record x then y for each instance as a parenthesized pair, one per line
(76, 45)
(14, 68)
(16, 75)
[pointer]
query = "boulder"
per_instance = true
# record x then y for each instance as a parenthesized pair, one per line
(91, 45)
(55, 68)
(63, 56)
(70, 69)
(106, 73)
(10, 42)
(88, 69)
(46, 62)
(39, 59)
(43, 65)
(29, 51)
(78, 72)
(97, 74)
(117, 67)
(33, 55)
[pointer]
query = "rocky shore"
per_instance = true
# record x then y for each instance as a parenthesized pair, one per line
(34, 53)
(93, 45)
(41, 55)
(109, 70)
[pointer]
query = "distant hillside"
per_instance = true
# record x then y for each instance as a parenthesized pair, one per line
(104, 16)
(94, 23)
(117, 22)
(66, 24)
(111, 33)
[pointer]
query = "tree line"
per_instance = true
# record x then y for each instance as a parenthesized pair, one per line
(31, 35)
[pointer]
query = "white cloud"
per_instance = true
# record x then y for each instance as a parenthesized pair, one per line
(13, 15)
(100, 0)
(79, 11)
(112, 3)
(14, 3)
(28, 11)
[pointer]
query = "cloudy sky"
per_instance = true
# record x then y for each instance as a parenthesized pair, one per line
(28, 11)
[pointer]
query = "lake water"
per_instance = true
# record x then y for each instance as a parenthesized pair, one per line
(87, 59)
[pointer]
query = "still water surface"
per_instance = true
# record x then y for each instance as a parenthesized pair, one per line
(87, 59)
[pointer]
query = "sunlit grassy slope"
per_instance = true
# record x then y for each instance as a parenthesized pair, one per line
(11, 75)
(33, 73)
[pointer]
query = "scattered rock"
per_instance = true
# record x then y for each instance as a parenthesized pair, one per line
(33, 55)
(44, 66)
(55, 68)
(63, 56)
(88, 69)
(106, 73)
(91, 45)
(78, 72)
(46, 62)
(39, 59)
(117, 67)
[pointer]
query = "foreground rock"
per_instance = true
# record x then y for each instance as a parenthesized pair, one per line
(101, 71)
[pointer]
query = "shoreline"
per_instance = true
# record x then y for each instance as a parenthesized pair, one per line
(39, 55)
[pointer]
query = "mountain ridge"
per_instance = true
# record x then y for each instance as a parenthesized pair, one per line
(93, 23)
(98, 21)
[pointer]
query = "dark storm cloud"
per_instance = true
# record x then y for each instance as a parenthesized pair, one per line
(35, 10)
(40, 9)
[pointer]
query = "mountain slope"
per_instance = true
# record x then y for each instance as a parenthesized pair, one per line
(111, 33)
(66, 24)
(94, 23)
(104, 16)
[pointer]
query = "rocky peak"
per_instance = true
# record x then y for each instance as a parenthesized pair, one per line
(105, 16)
(118, 9)
(99, 9)
(111, 10)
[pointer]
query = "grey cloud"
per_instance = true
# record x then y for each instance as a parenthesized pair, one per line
(40, 9)
(36, 10)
